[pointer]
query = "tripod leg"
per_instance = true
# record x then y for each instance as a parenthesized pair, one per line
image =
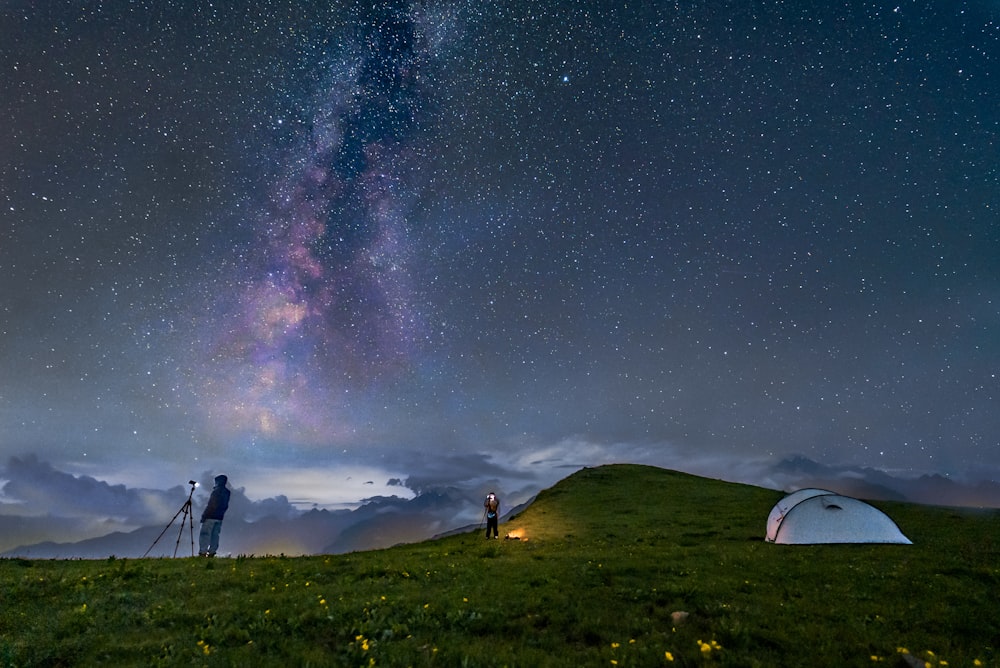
(187, 514)
(169, 524)
(191, 520)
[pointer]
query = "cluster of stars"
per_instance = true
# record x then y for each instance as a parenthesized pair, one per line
(766, 230)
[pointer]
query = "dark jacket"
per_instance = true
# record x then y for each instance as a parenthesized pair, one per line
(218, 503)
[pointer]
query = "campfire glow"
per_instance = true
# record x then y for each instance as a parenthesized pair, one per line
(516, 534)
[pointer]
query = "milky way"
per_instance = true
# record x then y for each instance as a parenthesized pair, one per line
(327, 301)
(444, 237)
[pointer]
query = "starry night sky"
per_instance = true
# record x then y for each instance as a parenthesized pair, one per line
(437, 241)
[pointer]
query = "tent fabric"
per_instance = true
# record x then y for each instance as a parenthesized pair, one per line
(813, 516)
(782, 507)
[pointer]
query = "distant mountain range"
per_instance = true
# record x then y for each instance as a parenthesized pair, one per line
(379, 522)
(385, 521)
(873, 484)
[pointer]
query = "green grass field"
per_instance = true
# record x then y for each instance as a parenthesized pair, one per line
(618, 566)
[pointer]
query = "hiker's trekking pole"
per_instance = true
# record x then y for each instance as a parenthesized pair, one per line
(482, 520)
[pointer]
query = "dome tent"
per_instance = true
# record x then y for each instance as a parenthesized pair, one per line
(810, 516)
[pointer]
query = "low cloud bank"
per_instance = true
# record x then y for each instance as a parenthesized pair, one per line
(48, 513)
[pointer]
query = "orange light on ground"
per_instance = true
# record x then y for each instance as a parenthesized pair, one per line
(516, 534)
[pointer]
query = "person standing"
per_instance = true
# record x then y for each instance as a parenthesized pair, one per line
(211, 518)
(492, 506)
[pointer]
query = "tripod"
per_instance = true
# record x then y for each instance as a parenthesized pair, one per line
(188, 518)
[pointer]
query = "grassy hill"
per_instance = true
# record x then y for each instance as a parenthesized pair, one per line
(618, 565)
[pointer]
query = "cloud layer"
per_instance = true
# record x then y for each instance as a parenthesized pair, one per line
(46, 513)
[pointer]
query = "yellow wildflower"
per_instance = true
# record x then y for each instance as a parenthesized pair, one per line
(668, 656)
(707, 647)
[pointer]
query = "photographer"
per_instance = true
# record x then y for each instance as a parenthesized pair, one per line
(211, 518)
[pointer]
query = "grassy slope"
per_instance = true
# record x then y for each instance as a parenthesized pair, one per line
(610, 554)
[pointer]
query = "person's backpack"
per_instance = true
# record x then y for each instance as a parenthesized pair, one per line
(492, 503)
